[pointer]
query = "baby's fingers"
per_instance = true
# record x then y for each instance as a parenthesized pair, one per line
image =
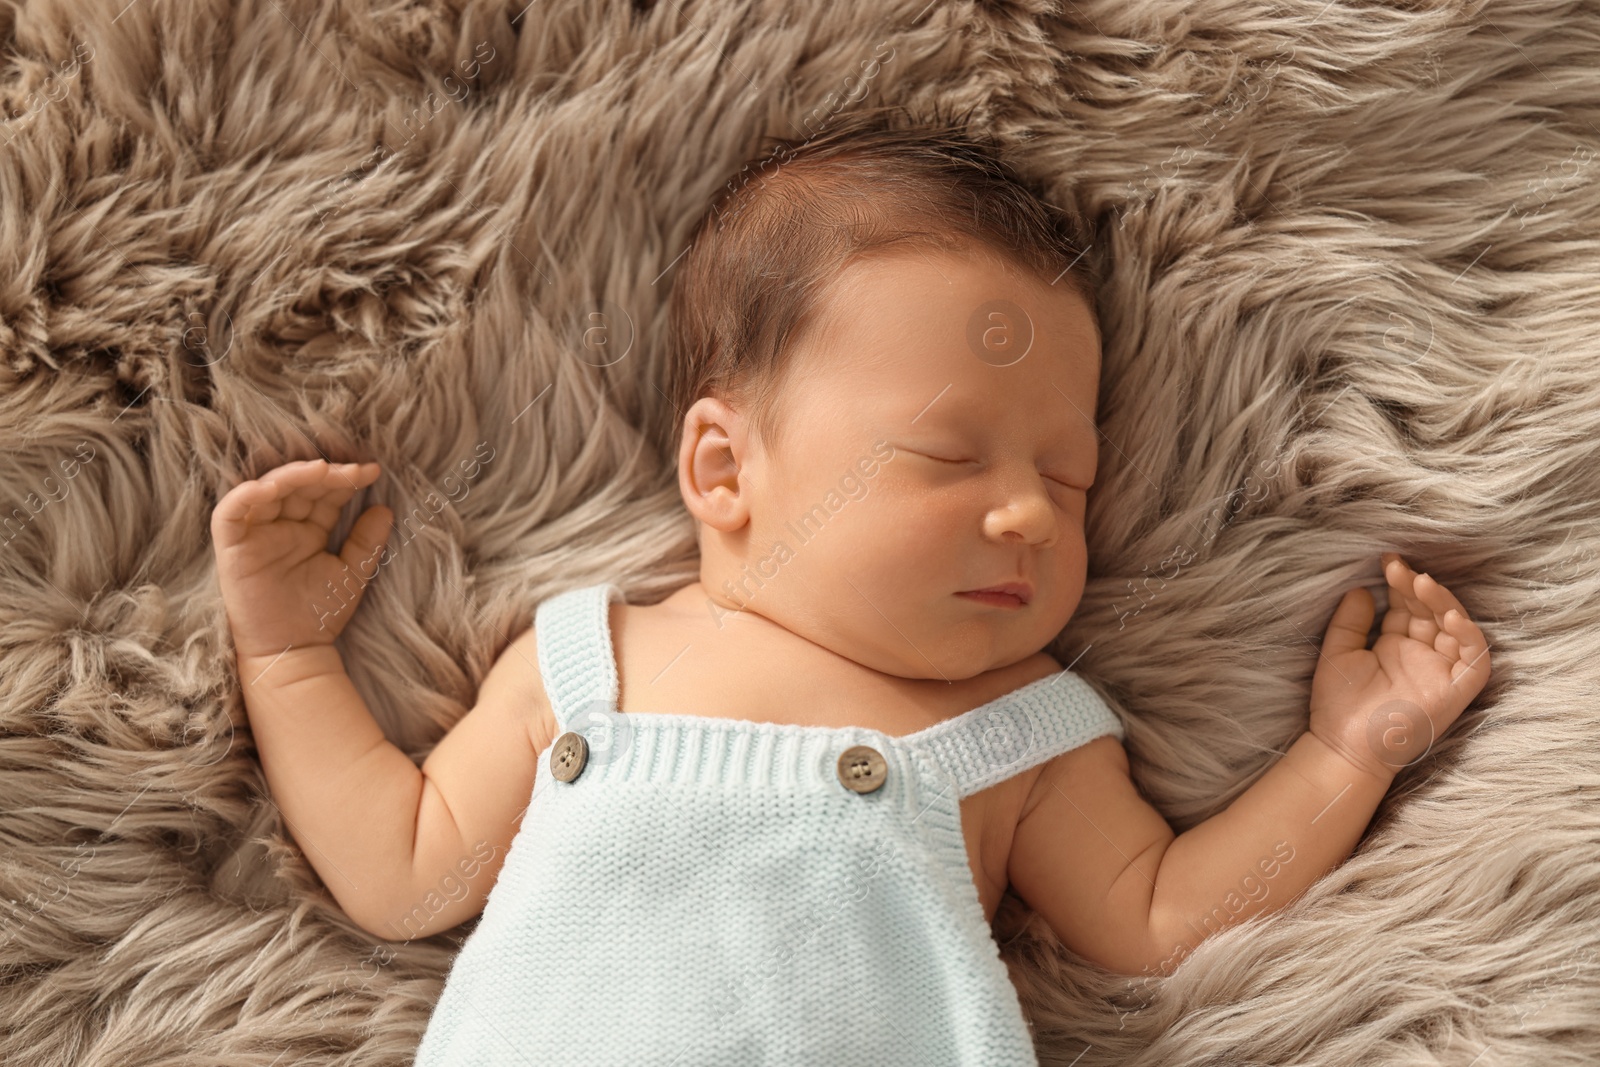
(1404, 604)
(1439, 600)
(302, 484)
(293, 492)
(1420, 605)
(343, 482)
(243, 506)
(304, 487)
(1472, 658)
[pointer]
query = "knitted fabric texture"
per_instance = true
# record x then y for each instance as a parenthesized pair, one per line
(707, 891)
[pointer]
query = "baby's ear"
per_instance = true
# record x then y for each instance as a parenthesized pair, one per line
(710, 454)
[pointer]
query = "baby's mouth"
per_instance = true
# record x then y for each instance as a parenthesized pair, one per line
(1006, 595)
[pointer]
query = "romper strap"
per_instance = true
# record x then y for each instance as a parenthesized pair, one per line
(1022, 729)
(576, 662)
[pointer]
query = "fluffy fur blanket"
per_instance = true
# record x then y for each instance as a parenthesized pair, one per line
(1352, 307)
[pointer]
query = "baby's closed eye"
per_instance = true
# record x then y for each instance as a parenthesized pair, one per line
(955, 459)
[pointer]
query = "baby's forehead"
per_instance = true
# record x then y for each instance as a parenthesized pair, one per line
(939, 252)
(946, 279)
(910, 306)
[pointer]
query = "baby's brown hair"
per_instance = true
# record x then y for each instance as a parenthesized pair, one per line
(788, 222)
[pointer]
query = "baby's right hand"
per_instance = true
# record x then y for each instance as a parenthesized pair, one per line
(281, 586)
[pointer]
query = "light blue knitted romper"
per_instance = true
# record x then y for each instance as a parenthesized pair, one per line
(706, 892)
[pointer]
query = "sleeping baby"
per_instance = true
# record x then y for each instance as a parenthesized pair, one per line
(768, 819)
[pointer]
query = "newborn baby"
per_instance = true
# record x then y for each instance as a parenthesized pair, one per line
(769, 818)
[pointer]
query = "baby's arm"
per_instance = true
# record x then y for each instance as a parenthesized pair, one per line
(1106, 872)
(405, 852)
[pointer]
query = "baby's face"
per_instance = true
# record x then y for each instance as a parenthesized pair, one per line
(929, 448)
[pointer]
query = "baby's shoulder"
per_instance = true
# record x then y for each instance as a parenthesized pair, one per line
(515, 678)
(1091, 761)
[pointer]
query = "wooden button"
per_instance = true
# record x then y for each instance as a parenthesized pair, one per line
(568, 754)
(862, 768)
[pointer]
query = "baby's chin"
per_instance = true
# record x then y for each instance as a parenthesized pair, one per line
(965, 651)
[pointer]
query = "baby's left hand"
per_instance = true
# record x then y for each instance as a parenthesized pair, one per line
(1382, 708)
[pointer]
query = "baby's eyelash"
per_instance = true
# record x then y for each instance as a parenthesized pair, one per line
(941, 459)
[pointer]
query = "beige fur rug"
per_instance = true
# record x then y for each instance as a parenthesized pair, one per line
(1353, 306)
